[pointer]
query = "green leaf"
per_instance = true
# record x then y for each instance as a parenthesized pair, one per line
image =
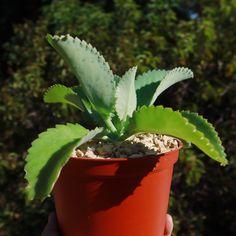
(149, 77)
(146, 85)
(91, 134)
(205, 127)
(117, 79)
(152, 83)
(48, 154)
(90, 68)
(173, 76)
(126, 100)
(166, 121)
(78, 90)
(61, 94)
(89, 110)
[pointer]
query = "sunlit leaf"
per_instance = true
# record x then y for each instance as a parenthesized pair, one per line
(173, 76)
(61, 94)
(90, 68)
(146, 86)
(190, 128)
(48, 154)
(126, 100)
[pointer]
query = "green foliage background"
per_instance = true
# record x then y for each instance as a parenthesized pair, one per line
(151, 34)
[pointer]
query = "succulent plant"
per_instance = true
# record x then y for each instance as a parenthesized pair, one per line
(119, 107)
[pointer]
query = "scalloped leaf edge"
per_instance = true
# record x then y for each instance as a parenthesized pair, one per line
(218, 142)
(71, 97)
(31, 176)
(149, 77)
(103, 104)
(137, 125)
(169, 80)
(85, 45)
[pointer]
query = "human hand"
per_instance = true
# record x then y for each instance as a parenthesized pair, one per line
(169, 225)
(51, 228)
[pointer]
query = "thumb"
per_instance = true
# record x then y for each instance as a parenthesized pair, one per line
(169, 225)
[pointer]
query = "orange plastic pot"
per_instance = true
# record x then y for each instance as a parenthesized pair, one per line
(114, 197)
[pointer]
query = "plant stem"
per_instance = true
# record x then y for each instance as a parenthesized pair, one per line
(110, 125)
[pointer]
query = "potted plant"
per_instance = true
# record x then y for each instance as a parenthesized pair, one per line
(112, 195)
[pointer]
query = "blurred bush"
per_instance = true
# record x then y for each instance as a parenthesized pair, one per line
(151, 34)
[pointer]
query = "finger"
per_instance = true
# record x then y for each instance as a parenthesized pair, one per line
(169, 226)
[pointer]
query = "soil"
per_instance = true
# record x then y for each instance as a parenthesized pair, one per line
(136, 146)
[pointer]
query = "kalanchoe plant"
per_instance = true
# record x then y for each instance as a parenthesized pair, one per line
(119, 106)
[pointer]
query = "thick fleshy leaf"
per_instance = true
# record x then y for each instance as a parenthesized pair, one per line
(91, 134)
(90, 68)
(89, 110)
(205, 127)
(61, 94)
(152, 83)
(192, 129)
(173, 76)
(78, 90)
(126, 100)
(146, 86)
(47, 155)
